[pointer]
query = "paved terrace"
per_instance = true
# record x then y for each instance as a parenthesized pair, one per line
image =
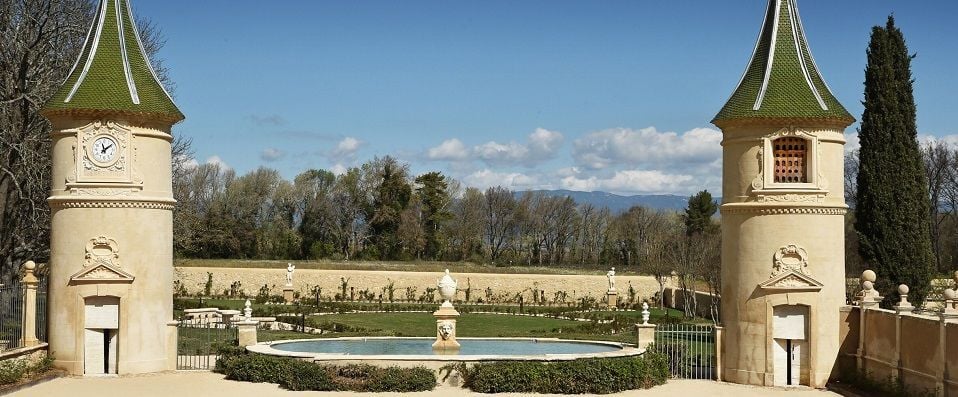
(213, 385)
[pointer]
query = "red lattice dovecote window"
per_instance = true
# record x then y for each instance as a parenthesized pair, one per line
(791, 160)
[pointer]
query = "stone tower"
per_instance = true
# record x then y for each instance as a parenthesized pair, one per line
(783, 267)
(111, 199)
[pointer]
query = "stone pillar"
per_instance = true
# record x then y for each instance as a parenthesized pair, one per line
(246, 332)
(30, 284)
(612, 298)
(645, 335)
(172, 333)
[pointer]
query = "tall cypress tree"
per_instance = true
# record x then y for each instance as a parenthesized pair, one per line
(892, 201)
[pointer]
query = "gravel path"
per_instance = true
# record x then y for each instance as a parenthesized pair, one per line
(183, 384)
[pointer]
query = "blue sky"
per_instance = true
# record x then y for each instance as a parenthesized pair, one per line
(612, 95)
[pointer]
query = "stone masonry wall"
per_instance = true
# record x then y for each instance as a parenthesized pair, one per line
(504, 286)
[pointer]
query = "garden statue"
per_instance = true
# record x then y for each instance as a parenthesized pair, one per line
(289, 273)
(645, 313)
(611, 276)
(248, 310)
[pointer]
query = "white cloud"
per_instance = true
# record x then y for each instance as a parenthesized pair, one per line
(449, 150)
(631, 182)
(272, 154)
(348, 146)
(647, 147)
(486, 178)
(217, 161)
(338, 169)
(542, 145)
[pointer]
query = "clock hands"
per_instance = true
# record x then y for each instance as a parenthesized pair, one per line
(105, 148)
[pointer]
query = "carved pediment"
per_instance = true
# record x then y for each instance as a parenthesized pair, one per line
(791, 280)
(102, 273)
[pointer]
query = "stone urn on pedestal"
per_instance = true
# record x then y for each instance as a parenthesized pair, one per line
(446, 316)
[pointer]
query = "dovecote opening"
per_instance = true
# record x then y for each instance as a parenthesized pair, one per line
(790, 160)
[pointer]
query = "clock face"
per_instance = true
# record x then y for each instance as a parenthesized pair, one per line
(104, 149)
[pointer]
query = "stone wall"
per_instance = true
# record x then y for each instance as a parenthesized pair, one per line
(503, 286)
(920, 350)
(673, 297)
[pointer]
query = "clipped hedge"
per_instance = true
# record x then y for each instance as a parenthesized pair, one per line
(304, 375)
(595, 376)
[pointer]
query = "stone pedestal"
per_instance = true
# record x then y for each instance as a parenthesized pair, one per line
(446, 328)
(288, 294)
(645, 335)
(612, 299)
(246, 332)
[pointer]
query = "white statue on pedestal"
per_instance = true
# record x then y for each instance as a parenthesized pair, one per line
(289, 273)
(611, 276)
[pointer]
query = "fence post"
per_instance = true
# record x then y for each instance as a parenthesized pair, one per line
(172, 344)
(30, 284)
(718, 352)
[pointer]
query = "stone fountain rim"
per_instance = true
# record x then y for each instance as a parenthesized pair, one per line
(625, 350)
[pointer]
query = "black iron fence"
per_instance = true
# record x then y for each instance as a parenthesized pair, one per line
(13, 309)
(690, 349)
(198, 342)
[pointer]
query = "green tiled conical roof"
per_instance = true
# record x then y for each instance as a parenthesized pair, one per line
(113, 73)
(782, 80)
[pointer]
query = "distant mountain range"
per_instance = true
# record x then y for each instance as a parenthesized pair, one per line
(619, 203)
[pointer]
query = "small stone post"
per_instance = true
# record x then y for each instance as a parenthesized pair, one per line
(869, 298)
(645, 332)
(446, 317)
(246, 329)
(30, 283)
(904, 306)
(172, 333)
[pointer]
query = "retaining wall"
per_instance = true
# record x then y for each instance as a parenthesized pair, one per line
(503, 286)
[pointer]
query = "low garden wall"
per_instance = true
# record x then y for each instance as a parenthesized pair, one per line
(919, 352)
(489, 287)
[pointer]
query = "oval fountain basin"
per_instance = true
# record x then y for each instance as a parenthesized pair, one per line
(472, 349)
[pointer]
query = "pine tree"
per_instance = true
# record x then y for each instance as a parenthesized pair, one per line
(433, 190)
(892, 200)
(698, 215)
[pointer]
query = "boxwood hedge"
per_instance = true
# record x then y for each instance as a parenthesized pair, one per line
(294, 374)
(597, 376)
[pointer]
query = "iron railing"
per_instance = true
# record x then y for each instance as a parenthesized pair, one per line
(11, 316)
(690, 349)
(198, 342)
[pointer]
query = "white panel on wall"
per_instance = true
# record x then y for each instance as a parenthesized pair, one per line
(789, 322)
(93, 351)
(102, 312)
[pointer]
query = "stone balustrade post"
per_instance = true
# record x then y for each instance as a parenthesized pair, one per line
(172, 333)
(644, 332)
(30, 284)
(246, 332)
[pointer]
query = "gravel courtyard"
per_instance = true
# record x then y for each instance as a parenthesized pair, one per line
(213, 385)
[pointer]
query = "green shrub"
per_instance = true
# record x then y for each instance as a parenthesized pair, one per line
(14, 370)
(307, 376)
(598, 376)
